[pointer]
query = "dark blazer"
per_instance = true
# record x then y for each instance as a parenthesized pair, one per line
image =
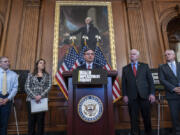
(93, 31)
(169, 80)
(142, 83)
(94, 66)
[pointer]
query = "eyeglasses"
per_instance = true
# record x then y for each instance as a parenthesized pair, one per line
(7, 61)
(89, 54)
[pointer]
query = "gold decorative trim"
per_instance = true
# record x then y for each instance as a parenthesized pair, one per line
(56, 29)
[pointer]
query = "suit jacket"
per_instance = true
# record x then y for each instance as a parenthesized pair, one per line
(141, 84)
(94, 66)
(169, 80)
(34, 87)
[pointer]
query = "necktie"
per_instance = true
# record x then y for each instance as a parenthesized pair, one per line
(89, 66)
(134, 69)
(173, 67)
(4, 87)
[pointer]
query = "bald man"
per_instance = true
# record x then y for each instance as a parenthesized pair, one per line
(169, 75)
(138, 92)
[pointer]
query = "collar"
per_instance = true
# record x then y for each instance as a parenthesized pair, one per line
(87, 64)
(136, 63)
(2, 70)
(172, 62)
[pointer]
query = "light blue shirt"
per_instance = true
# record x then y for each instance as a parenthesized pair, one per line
(12, 83)
(136, 65)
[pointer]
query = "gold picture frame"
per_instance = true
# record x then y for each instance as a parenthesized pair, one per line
(102, 6)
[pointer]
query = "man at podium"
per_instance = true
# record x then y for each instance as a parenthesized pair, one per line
(89, 56)
(90, 109)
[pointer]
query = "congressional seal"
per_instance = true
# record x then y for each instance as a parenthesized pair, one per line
(90, 108)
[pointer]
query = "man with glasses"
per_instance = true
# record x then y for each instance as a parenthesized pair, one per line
(8, 89)
(89, 56)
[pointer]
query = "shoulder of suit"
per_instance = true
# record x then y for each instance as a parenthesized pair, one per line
(142, 63)
(162, 65)
(81, 66)
(96, 65)
(178, 63)
(126, 65)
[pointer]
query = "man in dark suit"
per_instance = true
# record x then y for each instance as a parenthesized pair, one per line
(169, 75)
(88, 30)
(138, 92)
(89, 56)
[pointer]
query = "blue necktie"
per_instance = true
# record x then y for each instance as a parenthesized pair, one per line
(173, 67)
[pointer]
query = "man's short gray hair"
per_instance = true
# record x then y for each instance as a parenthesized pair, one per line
(135, 50)
(2, 57)
(170, 50)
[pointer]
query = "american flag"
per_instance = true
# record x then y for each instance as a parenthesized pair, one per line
(67, 64)
(72, 60)
(101, 60)
(80, 60)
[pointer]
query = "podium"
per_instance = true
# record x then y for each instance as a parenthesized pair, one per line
(90, 104)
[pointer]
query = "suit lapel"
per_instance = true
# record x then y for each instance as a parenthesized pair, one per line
(138, 69)
(177, 70)
(168, 69)
(130, 69)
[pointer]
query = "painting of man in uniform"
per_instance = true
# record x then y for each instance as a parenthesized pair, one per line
(83, 21)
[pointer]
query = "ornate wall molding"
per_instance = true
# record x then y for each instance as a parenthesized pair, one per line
(133, 3)
(167, 16)
(32, 2)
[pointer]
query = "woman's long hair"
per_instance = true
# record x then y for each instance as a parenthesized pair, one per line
(36, 67)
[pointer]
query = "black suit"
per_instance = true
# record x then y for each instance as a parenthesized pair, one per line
(138, 88)
(94, 66)
(170, 81)
(91, 42)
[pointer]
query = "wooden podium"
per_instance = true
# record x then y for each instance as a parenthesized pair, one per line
(90, 104)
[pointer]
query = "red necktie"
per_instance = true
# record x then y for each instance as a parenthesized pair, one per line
(134, 69)
(89, 66)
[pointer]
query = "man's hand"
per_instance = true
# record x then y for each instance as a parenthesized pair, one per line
(177, 90)
(152, 98)
(125, 99)
(3, 101)
(37, 98)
